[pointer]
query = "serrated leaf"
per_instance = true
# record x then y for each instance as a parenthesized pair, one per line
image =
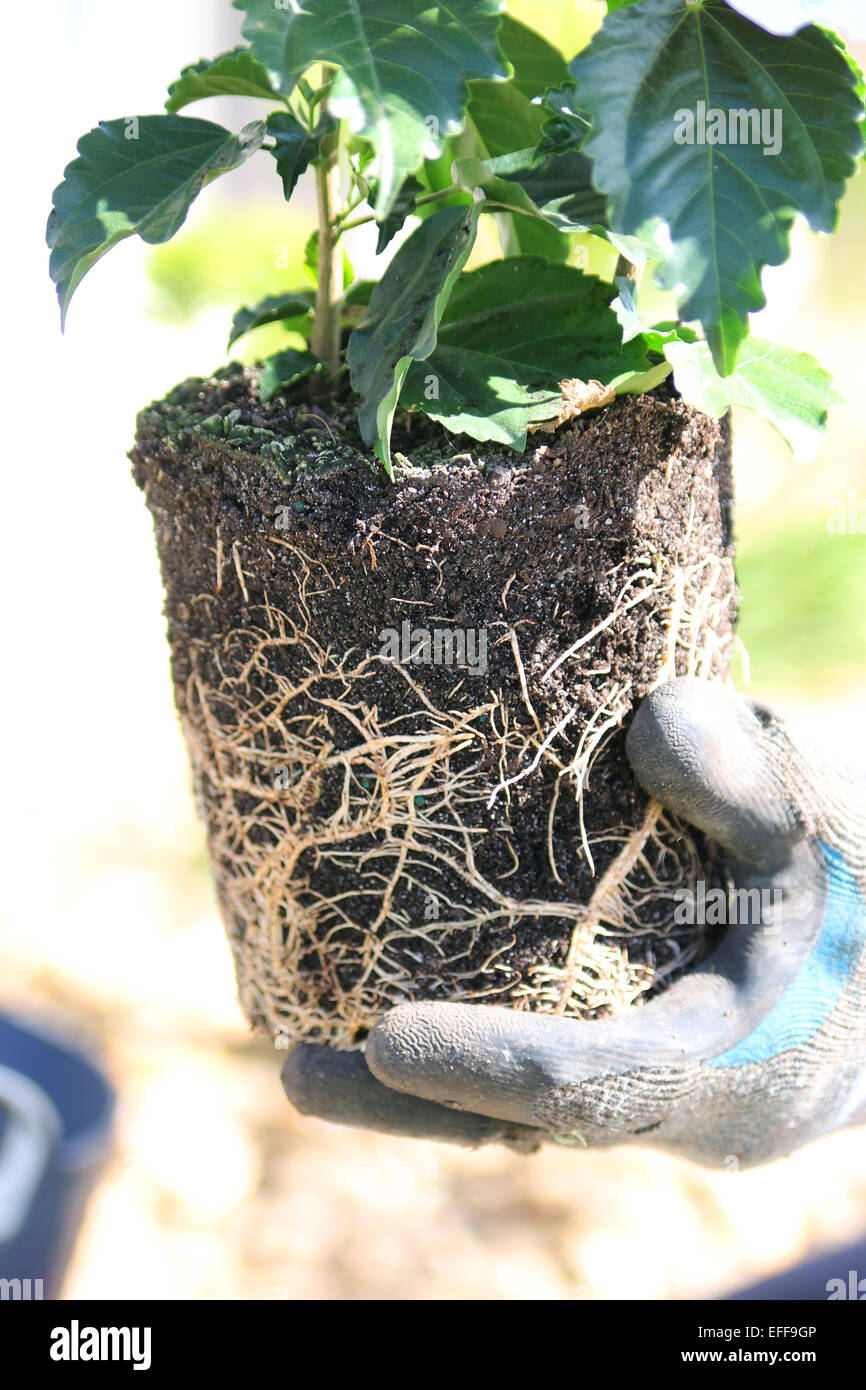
(566, 126)
(137, 174)
(403, 316)
(403, 68)
(714, 215)
(403, 204)
(513, 329)
(556, 188)
(275, 308)
(283, 369)
(236, 73)
(560, 186)
(295, 148)
(790, 389)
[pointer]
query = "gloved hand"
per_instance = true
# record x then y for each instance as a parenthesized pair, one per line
(758, 1050)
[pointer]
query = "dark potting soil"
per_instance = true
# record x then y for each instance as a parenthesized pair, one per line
(278, 508)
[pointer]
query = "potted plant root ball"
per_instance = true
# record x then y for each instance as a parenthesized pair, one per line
(422, 564)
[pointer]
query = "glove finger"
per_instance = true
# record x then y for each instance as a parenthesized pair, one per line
(718, 761)
(338, 1086)
(514, 1065)
(499, 1062)
(517, 1065)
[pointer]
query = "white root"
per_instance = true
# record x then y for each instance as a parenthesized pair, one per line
(406, 807)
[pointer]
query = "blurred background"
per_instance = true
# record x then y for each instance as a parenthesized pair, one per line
(215, 1189)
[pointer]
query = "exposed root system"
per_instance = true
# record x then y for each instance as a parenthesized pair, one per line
(384, 829)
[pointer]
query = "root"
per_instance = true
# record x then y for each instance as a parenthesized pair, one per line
(296, 771)
(598, 971)
(611, 911)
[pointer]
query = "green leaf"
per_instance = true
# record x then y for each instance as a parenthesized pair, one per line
(557, 188)
(471, 173)
(284, 369)
(311, 260)
(655, 338)
(499, 118)
(644, 381)
(137, 174)
(404, 66)
(562, 133)
(403, 316)
(661, 334)
(275, 308)
(358, 293)
(625, 308)
(712, 214)
(236, 73)
(478, 395)
(536, 63)
(500, 115)
(403, 204)
(560, 186)
(566, 127)
(512, 330)
(790, 389)
(530, 236)
(295, 147)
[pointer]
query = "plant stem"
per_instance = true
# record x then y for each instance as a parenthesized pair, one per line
(436, 195)
(325, 341)
(419, 202)
(348, 210)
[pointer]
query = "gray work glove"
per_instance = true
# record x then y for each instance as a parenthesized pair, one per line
(758, 1050)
